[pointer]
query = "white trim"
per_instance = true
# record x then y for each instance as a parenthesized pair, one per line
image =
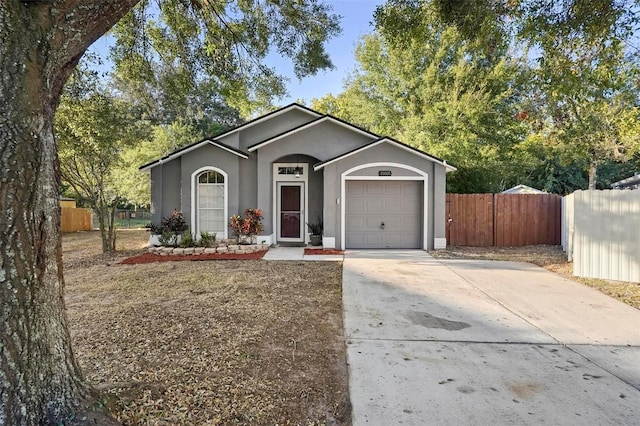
(304, 178)
(306, 126)
(267, 117)
(192, 148)
(449, 167)
(228, 149)
(424, 177)
(439, 243)
(303, 235)
(328, 242)
(194, 202)
(268, 239)
(356, 177)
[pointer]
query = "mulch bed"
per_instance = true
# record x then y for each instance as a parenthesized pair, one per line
(310, 251)
(152, 257)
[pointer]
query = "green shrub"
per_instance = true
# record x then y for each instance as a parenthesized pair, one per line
(207, 239)
(174, 223)
(154, 229)
(171, 231)
(168, 239)
(187, 239)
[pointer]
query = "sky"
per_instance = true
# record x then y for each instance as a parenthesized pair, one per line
(357, 16)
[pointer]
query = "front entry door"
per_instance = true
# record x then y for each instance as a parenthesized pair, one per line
(290, 211)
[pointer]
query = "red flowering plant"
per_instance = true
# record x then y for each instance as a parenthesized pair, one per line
(250, 224)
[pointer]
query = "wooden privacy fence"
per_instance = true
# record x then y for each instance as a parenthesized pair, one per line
(73, 219)
(503, 220)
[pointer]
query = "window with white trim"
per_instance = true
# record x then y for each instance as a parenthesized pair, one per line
(211, 214)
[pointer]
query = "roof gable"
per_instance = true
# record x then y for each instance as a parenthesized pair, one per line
(213, 141)
(268, 116)
(630, 182)
(192, 147)
(394, 142)
(522, 189)
(322, 119)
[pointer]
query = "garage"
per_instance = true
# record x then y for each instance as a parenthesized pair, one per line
(383, 214)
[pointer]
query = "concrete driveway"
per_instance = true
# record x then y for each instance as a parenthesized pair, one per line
(467, 342)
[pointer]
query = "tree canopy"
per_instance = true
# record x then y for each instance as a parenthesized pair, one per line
(531, 92)
(440, 93)
(179, 50)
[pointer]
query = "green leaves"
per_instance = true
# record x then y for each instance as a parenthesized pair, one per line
(532, 92)
(437, 92)
(222, 45)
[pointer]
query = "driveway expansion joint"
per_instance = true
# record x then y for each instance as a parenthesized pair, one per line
(537, 377)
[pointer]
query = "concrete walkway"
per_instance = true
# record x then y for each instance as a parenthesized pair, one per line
(297, 253)
(467, 342)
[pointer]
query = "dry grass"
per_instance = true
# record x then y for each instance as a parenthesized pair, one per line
(204, 343)
(551, 258)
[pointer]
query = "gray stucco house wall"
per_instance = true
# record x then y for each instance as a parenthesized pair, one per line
(298, 165)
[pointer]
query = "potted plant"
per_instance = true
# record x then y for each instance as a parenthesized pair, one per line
(315, 229)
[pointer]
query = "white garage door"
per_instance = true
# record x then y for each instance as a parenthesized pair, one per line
(383, 214)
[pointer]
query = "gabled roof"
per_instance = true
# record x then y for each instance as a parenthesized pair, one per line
(268, 116)
(321, 119)
(188, 148)
(391, 141)
(630, 182)
(522, 189)
(213, 140)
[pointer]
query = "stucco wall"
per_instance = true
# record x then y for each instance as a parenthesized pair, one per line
(385, 153)
(272, 127)
(165, 190)
(248, 181)
(210, 156)
(320, 142)
(233, 140)
(439, 205)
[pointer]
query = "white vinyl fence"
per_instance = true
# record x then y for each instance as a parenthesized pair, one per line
(601, 233)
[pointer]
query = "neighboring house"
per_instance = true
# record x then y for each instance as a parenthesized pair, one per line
(298, 165)
(632, 182)
(522, 189)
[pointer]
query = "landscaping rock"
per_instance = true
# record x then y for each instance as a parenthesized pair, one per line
(223, 246)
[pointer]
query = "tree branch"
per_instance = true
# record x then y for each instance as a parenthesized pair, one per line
(76, 24)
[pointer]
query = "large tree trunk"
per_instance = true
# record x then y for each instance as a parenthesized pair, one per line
(40, 379)
(40, 382)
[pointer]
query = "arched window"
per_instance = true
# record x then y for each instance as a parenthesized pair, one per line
(211, 215)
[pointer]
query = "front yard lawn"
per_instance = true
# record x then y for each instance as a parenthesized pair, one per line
(214, 342)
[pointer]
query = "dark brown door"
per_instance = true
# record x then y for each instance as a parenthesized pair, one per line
(291, 212)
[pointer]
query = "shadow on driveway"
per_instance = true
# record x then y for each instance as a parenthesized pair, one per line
(484, 342)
